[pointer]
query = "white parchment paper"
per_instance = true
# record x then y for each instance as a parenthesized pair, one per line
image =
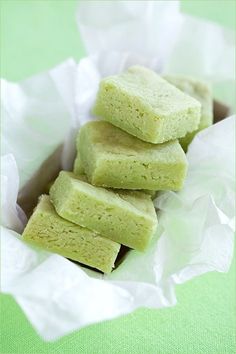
(195, 232)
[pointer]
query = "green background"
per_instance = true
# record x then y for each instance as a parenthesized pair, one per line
(36, 35)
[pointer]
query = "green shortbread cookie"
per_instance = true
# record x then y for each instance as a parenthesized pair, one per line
(78, 166)
(126, 217)
(79, 171)
(153, 194)
(201, 91)
(113, 158)
(145, 105)
(49, 231)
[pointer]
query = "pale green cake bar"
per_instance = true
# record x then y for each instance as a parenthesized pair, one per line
(201, 91)
(145, 105)
(126, 217)
(153, 194)
(49, 231)
(113, 158)
(78, 166)
(79, 171)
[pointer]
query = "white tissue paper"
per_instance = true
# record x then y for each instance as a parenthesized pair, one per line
(195, 232)
(180, 43)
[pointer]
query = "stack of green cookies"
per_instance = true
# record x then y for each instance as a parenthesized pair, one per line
(121, 162)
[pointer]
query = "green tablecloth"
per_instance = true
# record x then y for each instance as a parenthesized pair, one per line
(37, 35)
